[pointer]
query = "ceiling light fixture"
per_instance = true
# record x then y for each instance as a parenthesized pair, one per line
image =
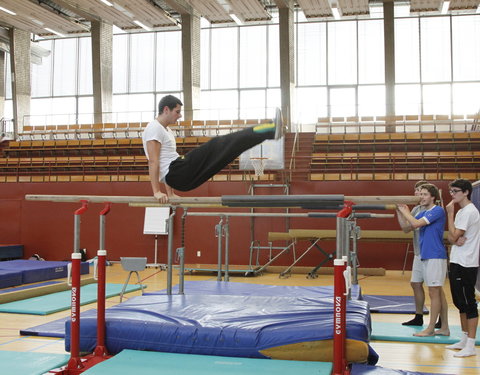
(54, 32)
(237, 20)
(39, 23)
(335, 9)
(142, 25)
(336, 13)
(8, 11)
(106, 2)
(445, 6)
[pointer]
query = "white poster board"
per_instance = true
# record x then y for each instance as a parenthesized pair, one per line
(156, 220)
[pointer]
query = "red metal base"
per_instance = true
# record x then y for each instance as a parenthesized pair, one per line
(78, 365)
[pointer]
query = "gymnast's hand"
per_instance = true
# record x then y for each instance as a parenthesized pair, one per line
(403, 208)
(450, 208)
(162, 197)
(461, 241)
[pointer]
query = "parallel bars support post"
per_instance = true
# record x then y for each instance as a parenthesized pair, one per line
(101, 350)
(227, 248)
(219, 231)
(339, 318)
(170, 251)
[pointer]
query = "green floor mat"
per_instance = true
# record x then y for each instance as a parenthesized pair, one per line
(153, 363)
(54, 302)
(30, 363)
(396, 332)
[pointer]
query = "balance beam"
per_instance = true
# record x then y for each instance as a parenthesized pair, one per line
(300, 201)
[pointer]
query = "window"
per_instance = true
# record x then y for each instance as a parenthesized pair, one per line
(371, 55)
(437, 99)
(312, 56)
(65, 66)
(466, 48)
(407, 51)
(142, 62)
(435, 46)
(408, 99)
(85, 67)
(253, 56)
(41, 75)
(343, 101)
(342, 53)
(224, 58)
(311, 103)
(169, 61)
(120, 63)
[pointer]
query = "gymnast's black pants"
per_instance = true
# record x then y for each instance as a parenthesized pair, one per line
(202, 163)
(462, 286)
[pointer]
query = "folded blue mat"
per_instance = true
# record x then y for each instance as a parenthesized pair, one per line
(9, 278)
(34, 271)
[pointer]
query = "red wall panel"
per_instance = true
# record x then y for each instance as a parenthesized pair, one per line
(46, 228)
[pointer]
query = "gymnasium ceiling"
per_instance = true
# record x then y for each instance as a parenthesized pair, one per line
(72, 17)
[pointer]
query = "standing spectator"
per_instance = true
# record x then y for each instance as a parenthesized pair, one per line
(433, 255)
(417, 279)
(464, 262)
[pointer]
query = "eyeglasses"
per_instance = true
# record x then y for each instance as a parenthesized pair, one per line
(454, 191)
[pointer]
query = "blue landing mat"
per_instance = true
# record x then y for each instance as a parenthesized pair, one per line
(396, 332)
(358, 369)
(54, 302)
(55, 328)
(153, 363)
(391, 304)
(24, 287)
(30, 363)
(250, 289)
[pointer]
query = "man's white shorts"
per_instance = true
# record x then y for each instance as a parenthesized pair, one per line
(434, 271)
(417, 270)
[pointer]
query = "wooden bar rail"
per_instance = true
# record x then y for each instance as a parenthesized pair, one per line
(236, 200)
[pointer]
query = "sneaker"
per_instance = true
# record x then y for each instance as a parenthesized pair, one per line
(414, 322)
(279, 126)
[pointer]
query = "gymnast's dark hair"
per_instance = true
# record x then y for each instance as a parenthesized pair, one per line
(462, 184)
(432, 189)
(169, 101)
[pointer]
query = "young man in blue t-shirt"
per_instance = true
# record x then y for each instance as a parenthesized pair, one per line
(433, 255)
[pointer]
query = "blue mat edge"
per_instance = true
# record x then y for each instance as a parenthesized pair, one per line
(408, 337)
(130, 288)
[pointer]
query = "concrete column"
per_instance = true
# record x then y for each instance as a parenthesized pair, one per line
(3, 79)
(20, 65)
(191, 64)
(287, 61)
(389, 40)
(102, 52)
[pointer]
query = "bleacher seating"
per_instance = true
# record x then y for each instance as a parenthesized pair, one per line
(350, 148)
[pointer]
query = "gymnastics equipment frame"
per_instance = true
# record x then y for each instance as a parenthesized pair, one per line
(77, 365)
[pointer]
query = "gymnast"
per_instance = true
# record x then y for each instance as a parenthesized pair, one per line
(433, 254)
(189, 171)
(417, 278)
(464, 262)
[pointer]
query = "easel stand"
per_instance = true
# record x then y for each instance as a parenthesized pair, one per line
(155, 263)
